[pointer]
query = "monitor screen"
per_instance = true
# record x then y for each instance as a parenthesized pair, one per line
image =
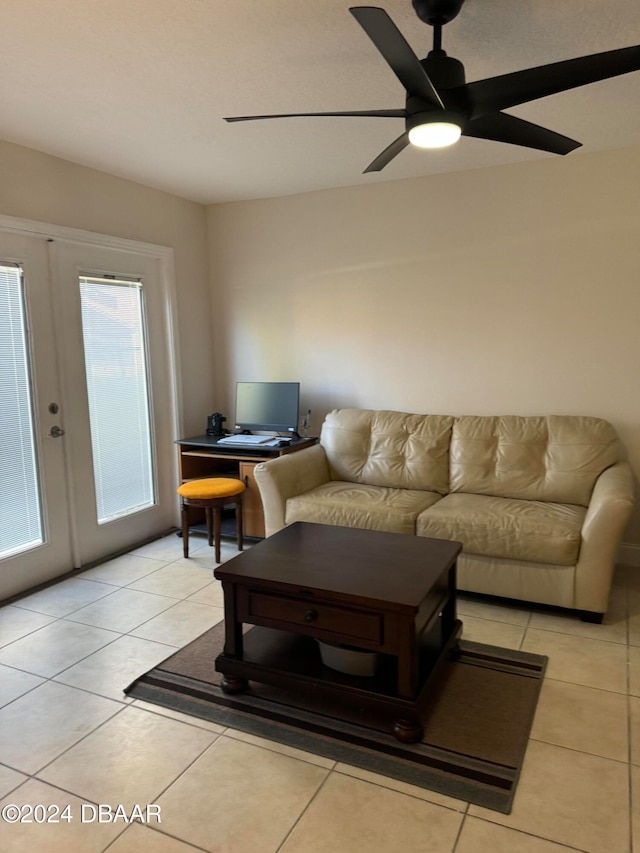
(267, 406)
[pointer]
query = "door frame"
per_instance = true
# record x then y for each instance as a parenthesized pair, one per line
(164, 255)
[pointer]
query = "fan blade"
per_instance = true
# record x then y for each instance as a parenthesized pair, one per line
(388, 154)
(500, 93)
(395, 50)
(505, 128)
(368, 113)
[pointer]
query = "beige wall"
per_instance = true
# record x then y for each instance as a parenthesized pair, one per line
(511, 290)
(47, 189)
(506, 290)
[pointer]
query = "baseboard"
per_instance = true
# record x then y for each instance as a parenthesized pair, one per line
(629, 555)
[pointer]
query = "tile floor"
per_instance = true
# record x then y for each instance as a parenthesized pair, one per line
(69, 736)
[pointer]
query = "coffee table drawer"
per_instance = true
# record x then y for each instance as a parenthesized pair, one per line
(312, 617)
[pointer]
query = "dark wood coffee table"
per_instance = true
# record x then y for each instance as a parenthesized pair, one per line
(384, 592)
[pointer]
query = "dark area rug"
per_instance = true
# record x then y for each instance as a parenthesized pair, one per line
(476, 726)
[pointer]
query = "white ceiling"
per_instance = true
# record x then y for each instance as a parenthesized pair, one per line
(138, 88)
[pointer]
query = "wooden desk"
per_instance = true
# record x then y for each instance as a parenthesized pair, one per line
(202, 456)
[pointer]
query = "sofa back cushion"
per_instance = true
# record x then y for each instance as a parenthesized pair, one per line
(555, 458)
(392, 449)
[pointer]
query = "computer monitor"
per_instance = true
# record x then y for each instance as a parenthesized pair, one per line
(268, 406)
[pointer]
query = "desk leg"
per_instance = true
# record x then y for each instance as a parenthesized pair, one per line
(239, 531)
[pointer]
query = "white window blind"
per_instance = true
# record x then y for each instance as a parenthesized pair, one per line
(117, 385)
(20, 508)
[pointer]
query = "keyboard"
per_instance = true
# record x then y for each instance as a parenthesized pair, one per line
(245, 439)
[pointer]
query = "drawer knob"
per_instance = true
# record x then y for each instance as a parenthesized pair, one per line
(311, 616)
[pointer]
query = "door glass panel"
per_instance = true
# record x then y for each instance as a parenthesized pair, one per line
(20, 506)
(115, 356)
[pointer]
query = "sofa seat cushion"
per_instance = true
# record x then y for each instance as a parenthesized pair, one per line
(504, 527)
(356, 505)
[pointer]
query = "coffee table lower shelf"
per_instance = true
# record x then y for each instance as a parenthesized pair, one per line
(293, 661)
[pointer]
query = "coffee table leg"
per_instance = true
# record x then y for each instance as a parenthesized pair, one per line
(407, 730)
(232, 638)
(408, 661)
(233, 685)
(232, 626)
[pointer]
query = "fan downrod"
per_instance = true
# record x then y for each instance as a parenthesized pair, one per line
(437, 13)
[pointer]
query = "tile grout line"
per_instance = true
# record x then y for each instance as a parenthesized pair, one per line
(94, 731)
(187, 844)
(280, 847)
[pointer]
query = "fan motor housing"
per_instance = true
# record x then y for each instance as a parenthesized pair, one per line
(444, 71)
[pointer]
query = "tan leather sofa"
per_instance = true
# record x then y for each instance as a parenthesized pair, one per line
(539, 503)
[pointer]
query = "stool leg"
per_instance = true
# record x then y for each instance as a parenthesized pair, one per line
(239, 523)
(185, 529)
(209, 518)
(217, 517)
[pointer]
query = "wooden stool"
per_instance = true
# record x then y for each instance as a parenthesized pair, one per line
(212, 494)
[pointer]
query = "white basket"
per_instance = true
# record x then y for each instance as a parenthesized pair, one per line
(347, 659)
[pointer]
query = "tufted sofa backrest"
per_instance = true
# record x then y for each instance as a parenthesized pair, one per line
(555, 458)
(391, 449)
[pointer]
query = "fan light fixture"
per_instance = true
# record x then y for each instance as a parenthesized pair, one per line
(435, 134)
(434, 128)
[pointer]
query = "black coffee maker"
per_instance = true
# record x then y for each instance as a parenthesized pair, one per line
(214, 425)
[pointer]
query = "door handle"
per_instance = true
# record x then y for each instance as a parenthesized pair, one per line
(56, 432)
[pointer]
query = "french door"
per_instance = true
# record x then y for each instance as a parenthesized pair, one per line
(89, 412)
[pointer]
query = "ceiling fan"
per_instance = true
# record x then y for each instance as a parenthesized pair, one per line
(441, 106)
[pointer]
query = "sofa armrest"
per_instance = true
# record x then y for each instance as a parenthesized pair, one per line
(283, 478)
(607, 516)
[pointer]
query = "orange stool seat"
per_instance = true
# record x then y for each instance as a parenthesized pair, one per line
(211, 493)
